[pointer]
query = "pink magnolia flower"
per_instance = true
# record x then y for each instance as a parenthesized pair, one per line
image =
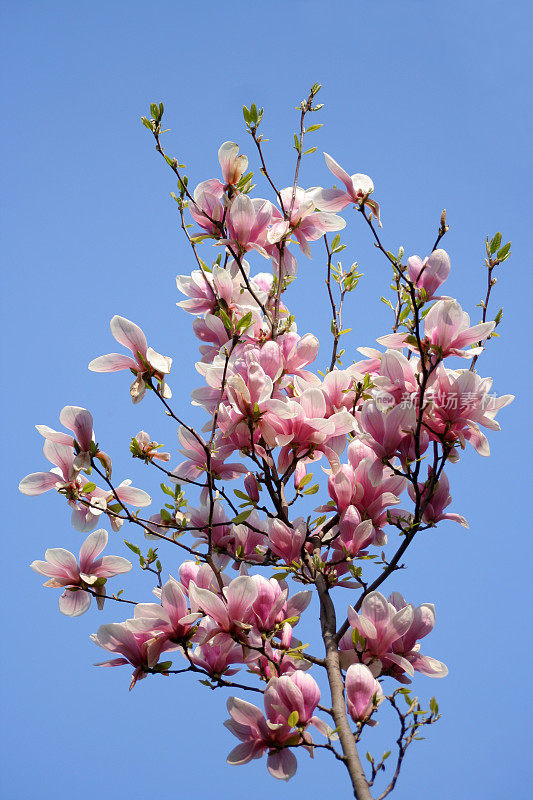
(351, 537)
(80, 422)
(232, 609)
(141, 649)
(172, 617)
(297, 692)
(303, 429)
(247, 223)
(358, 187)
(251, 486)
(461, 402)
(287, 542)
(202, 576)
(440, 499)
(233, 165)
(272, 606)
(259, 736)
(407, 645)
(379, 624)
(304, 223)
(447, 328)
(363, 692)
(62, 569)
(367, 485)
(206, 208)
(218, 653)
(143, 447)
(193, 448)
(430, 273)
(87, 501)
(387, 637)
(387, 430)
(145, 364)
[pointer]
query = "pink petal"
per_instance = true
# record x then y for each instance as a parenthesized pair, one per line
(113, 362)
(129, 334)
(38, 482)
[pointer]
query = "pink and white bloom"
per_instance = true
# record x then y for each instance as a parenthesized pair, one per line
(194, 449)
(430, 273)
(304, 223)
(357, 189)
(87, 501)
(218, 653)
(287, 542)
(206, 207)
(363, 692)
(439, 501)
(172, 617)
(387, 637)
(259, 736)
(145, 364)
(90, 570)
(80, 422)
(141, 649)
(273, 606)
(247, 224)
(232, 164)
(446, 328)
(232, 609)
(143, 447)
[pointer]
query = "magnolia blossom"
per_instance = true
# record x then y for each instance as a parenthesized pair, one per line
(259, 736)
(233, 165)
(387, 634)
(363, 692)
(247, 223)
(430, 273)
(145, 364)
(273, 606)
(87, 501)
(233, 610)
(435, 502)
(90, 570)
(206, 208)
(304, 223)
(446, 328)
(358, 187)
(141, 649)
(143, 447)
(80, 422)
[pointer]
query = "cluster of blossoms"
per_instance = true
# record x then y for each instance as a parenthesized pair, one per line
(383, 427)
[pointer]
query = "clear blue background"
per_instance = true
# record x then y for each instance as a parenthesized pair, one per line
(432, 100)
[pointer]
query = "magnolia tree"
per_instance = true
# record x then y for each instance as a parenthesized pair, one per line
(384, 429)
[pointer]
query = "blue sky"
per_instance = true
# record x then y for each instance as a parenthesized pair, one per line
(430, 99)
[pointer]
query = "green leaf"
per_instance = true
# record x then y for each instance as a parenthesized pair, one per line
(163, 666)
(242, 517)
(244, 322)
(308, 152)
(305, 480)
(504, 252)
(312, 489)
(167, 490)
(495, 243)
(312, 128)
(147, 124)
(89, 487)
(293, 719)
(133, 548)
(336, 242)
